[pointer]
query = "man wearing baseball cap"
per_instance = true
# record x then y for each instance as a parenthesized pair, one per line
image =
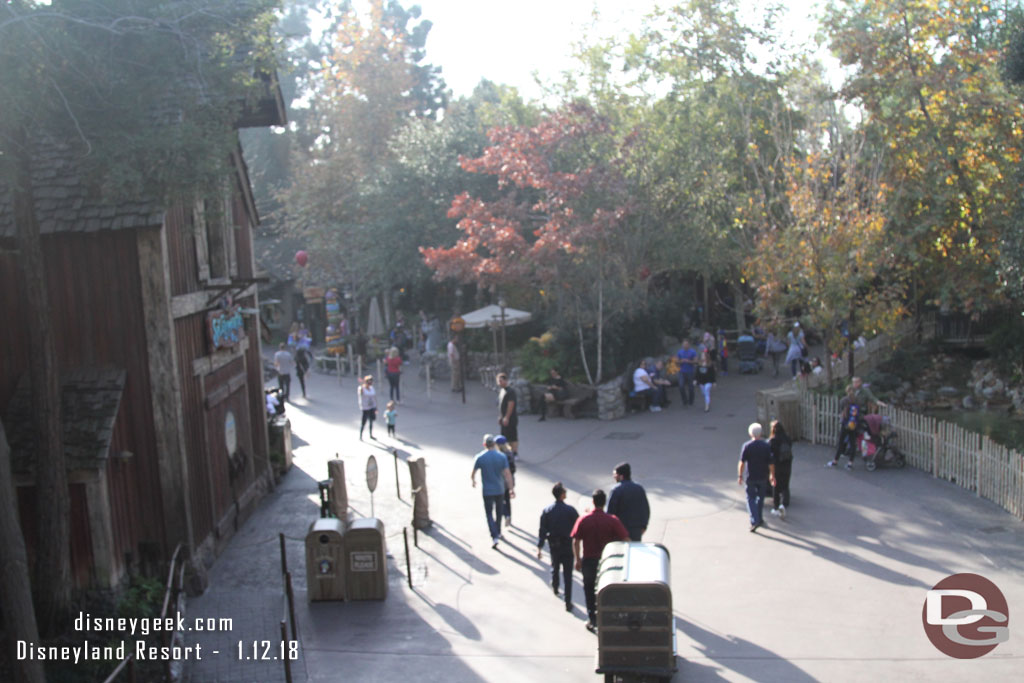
(495, 479)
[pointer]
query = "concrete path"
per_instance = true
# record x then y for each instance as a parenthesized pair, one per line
(834, 593)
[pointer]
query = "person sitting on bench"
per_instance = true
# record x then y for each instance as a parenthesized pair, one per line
(557, 390)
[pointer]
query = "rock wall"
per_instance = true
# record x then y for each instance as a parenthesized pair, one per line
(611, 401)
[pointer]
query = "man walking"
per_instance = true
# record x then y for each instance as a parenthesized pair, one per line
(284, 363)
(593, 531)
(687, 357)
(628, 502)
(494, 478)
(508, 417)
(757, 456)
(556, 524)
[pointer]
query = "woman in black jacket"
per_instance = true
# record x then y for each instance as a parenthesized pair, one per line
(782, 451)
(705, 379)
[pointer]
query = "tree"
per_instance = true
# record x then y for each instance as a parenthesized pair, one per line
(370, 85)
(925, 74)
(143, 100)
(831, 257)
(708, 142)
(561, 220)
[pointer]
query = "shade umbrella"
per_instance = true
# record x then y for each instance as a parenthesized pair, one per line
(375, 324)
(490, 316)
(496, 317)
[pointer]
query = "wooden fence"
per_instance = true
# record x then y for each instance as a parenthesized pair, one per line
(968, 459)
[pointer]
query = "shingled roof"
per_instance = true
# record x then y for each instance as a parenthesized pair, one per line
(90, 399)
(66, 203)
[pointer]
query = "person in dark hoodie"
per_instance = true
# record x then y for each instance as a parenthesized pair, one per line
(628, 502)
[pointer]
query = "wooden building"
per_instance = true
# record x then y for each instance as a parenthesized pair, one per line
(154, 310)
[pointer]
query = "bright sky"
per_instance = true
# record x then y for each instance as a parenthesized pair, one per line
(507, 42)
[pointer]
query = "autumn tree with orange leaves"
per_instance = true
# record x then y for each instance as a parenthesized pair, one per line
(926, 73)
(831, 256)
(560, 220)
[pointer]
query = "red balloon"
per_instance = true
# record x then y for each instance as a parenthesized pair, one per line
(301, 257)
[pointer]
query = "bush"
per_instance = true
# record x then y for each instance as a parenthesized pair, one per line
(537, 357)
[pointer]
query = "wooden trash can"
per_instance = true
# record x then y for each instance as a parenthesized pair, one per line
(325, 560)
(782, 404)
(366, 562)
(635, 626)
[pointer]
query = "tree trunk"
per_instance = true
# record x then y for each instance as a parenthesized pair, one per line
(53, 562)
(737, 298)
(600, 330)
(14, 581)
(583, 347)
(706, 317)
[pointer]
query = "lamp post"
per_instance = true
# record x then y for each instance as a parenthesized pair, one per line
(504, 353)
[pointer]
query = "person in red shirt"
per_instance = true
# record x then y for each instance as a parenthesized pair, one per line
(592, 532)
(394, 373)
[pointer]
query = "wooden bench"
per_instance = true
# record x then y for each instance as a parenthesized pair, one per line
(577, 395)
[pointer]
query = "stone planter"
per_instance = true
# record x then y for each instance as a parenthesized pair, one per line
(611, 401)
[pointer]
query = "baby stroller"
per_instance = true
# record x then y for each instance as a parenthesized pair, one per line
(877, 444)
(746, 351)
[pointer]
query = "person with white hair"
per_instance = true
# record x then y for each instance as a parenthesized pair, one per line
(757, 458)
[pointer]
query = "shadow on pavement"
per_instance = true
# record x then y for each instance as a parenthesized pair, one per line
(735, 654)
(452, 617)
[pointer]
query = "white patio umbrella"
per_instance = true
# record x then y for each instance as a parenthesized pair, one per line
(490, 316)
(496, 317)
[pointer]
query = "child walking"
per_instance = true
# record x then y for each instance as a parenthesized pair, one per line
(389, 417)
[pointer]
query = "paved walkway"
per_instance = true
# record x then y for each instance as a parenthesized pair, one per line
(833, 593)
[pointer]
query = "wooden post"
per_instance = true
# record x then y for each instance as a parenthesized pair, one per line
(978, 460)
(351, 360)
(936, 447)
(339, 489)
(420, 500)
(814, 422)
(359, 360)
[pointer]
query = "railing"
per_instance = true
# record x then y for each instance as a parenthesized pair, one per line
(874, 351)
(946, 450)
(172, 592)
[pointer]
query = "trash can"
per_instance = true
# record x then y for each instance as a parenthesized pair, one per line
(366, 562)
(325, 560)
(279, 431)
(635, 627)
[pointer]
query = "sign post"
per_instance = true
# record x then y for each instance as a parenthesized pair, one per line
(371, 480)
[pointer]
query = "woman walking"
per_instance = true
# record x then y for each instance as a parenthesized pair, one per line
(368, 404)
(797, 349)
(705, 379)
(782, 451)
(394, 373)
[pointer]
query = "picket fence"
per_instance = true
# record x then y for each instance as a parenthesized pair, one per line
(946, 450)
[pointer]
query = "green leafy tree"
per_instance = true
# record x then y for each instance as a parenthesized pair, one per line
(143, 99)
(926, 75)
(370, 85)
